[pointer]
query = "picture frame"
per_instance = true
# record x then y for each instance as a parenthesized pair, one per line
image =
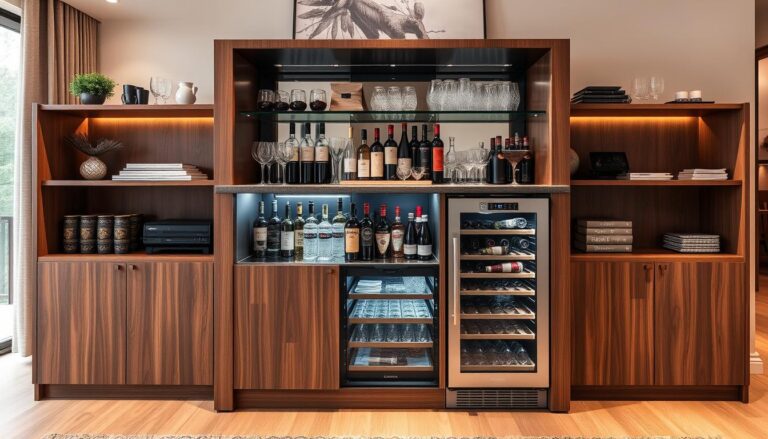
(389, 19)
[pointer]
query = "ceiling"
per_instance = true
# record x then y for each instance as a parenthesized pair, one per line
(137, 9)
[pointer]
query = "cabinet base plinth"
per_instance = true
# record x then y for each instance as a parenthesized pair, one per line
(658, 393)
(121, 391)
(359, 398)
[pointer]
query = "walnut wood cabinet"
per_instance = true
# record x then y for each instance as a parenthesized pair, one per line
(659, 323)
(286, 327)
(125, 322)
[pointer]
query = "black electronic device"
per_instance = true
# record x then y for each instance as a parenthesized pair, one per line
(178, 236)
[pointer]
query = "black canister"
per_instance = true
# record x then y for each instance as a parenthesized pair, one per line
(71, 234)
(88, 234)
(105, 233)
(122, 234)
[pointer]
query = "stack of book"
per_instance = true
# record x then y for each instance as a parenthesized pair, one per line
(702, 174)
(692, 243)
(159, 172)
(599, 94)
(604, 236)
(646, 176)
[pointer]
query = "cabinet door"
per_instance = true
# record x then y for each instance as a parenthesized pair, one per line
(80, 323)
(287, 327)
(700, 323)
(613, 323)
(170, 323)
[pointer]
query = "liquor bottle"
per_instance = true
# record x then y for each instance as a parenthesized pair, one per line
(414, 146)
(499, 165)
(260, 234)
(352, 237)
(322, 157)
(364, 157)
(404, 160)
(366, 234)
(287, 235)
(489, 167)
(518, 143)
(437, 156)
(338, 224)
(292, 167)
(310, 234)
(307, 155)
(495, 250)
(350, 159)
(410, 245)
(377, 157)
(298, 228)
(506, 267)
(398, 235)
(514, 223)
(383, 234)
(527, 166)
(520, 243)
(424, 245)
(425, 154)
(390, 155)
(324, 238)
(273, 233)
(418, 221)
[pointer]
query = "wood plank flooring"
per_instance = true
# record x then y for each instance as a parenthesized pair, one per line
(21, 417)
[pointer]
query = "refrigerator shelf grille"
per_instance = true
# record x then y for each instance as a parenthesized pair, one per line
(526, 232)
(531, 316)
(513, 292)
(517, 256)
(498, 336)
(523, 275)
(497, 398)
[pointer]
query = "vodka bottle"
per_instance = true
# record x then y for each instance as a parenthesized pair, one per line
(339, 222)
(324, 238)
(310, 235)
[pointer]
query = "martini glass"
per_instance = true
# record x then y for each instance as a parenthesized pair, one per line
(514, 156)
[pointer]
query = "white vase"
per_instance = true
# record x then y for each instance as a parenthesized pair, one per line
(93, 169)
(186, 94)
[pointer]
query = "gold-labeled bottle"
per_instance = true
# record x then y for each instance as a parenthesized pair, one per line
(398, 236)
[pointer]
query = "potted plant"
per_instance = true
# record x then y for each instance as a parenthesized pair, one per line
(92, 88)
(93, 168)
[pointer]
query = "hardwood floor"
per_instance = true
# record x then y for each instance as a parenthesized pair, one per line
(21, 417)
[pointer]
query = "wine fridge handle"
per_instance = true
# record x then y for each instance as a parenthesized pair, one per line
(456, 280)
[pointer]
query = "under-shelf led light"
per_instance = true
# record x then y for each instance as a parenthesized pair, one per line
(112, 1)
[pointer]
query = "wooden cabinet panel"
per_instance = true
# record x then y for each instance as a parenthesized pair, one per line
(170, 323)
(286, 327)
(81, 323)
(613, 318)
(700, 324)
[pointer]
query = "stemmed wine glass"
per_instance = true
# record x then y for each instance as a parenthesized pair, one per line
(282, 153)
(160, 88)
(263, 154)
(338, 147)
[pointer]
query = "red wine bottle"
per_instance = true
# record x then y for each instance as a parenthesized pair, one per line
(404, 151)
(366, 234)
(322, 157)
(390, 155)
(425, 154)
(307, 156)
(437, 157)
(414, 146)
(377, 157)
(383, 234)
(292, 167)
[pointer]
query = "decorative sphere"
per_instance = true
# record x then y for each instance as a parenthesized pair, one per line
(574, 162)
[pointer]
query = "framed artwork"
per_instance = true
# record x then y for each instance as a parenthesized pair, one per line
(388, 19)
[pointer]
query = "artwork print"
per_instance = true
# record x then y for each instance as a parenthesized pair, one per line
(389, 19)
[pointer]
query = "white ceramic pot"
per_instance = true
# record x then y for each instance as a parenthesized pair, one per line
(93, 169)
(186, 94)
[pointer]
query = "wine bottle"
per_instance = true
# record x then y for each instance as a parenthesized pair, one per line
(390, 155)
(260, 234)
(499, 165)
(377, 157)
(366, 234)
(364, 157)
(424, 246)
(287, 236)
(398, 234)
(495, 250)
(352, 237)
(414, 146)
(410, 244)
(383, 234)
(520, 243)
(527, 166)
(322, 157)
(514, 223)
(273, 233)
(437, 156)
(489, 167)
(350, 159)
(506, 267)
(298, 229)
(292, 167)
(425, 154)
(404, 160)
(307, 155)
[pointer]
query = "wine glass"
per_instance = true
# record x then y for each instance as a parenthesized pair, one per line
(283, 153)
(514, 156)
(160, 88)
(395, 98)
(265, 100)
(317, 100)
(298, 100)
(338, 147)
(261, 152)
(640, 87)
(656, 84)
(433, 94)
(403, 172)
(515, 96)
(282, 101)
(418, 172)
(410, 99)
(484, 158)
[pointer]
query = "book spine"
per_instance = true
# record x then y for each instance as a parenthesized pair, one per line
(604, 248)
(603, 231)
(606, 224)
(604, 239)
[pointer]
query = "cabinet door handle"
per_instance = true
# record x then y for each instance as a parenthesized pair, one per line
(330, 271)
(662, 269)
(648, 271)
(132, 267)
(118, 267)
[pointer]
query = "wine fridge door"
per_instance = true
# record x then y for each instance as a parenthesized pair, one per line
(498, 293)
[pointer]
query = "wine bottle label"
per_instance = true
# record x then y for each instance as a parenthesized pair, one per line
(307, 153)
(382, 242)
(506, 267)
(495, 250)
(260, 238)
(377, 164)
(352, 240)
(295, 156)
(410, 249)
(390, 156)
(273, 238)
(298, 238)
(437, 159)
(424, 250)
(321, 154)
(287, 241)
(397, 240)
(363, 168)
(350, 166)
(405, 163)
(310, 235)
(366, 237)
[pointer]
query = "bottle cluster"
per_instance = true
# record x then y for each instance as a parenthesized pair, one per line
(310, 162)
(499, 170)
(343, 237)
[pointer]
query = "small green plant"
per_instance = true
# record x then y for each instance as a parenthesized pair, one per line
(93, 83)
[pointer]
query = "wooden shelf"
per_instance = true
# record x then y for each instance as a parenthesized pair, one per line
(650, 110)
(195, 110)
(662, 183)
(112, 183)
(138, 256)
(656, 254)
(484, 189)
(516, 232)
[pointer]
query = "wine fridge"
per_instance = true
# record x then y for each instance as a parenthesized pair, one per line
(498, 302)
(389, 325)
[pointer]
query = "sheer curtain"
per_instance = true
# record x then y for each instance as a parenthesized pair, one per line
(57, 42)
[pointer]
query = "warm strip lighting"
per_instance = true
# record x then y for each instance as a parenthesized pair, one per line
(112, 1)
(631, 119)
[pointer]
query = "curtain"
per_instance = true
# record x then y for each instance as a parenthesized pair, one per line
(57, 42)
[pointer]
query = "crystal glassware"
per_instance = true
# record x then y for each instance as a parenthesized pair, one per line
(160, 88)
(395, 98)
(265, 100)
(262, 153)
(640, 88)
(514, 96)
(433, 94)
(418, 172)
(410, 99)
(282, 101)
(298, 100)
(338, 147)
(403, 173)
(514, 156)
(450, 95)
(283, 154)
(318, 100)
(656, 86)
(379, 101)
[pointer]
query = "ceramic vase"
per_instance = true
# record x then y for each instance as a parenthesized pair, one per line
(93, 169)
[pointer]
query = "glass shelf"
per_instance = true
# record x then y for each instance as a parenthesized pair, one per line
(393, 116)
